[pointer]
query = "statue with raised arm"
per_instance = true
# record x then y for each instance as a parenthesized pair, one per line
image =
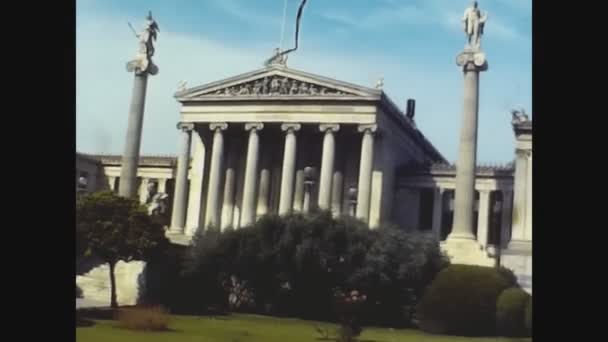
(473, 22)
(143, 60)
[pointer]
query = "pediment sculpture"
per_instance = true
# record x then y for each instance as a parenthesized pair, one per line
(277, 86)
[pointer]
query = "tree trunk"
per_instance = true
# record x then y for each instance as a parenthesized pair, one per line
(113, 302)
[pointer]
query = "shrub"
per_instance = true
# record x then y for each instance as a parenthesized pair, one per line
(78, 292)
(153, 318)
(462, 301)
(528, 318)
(292, 264)
(511, 311)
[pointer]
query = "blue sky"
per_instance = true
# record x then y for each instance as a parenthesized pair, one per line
(411, 43)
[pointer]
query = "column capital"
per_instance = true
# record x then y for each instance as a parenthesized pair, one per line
(329, 127)
(371, 128)
(254, 125)
(291, 127)
(222, 126)
(185, 126)
(472, 61)
(522, 153)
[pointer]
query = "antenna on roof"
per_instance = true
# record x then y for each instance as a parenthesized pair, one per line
(280, 57)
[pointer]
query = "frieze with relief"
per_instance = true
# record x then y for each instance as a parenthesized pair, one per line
(277, 86)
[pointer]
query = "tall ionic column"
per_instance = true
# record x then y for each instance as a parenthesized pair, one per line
(518, 220)
(483, 218)
(289, 167)
(251, 170)
(141, 66)
(327, 164)
(366, 165)
(178, 220)
(473, 62)
(212, 209)
(437, 211)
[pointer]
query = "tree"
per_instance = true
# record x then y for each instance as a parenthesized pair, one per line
(115, 228)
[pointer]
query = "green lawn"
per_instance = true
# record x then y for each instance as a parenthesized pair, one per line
(241, 328)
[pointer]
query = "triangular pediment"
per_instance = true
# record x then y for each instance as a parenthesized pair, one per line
(277, 83)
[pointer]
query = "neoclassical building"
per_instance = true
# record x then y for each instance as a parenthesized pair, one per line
(277, 140)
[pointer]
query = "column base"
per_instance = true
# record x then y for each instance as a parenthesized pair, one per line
(467, 252)
(461, 236)
(521, 246)
(518, 258)
(178, 238)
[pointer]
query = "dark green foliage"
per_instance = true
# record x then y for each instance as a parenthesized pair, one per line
(115, 228)
(292, 265)
(462, 301)
(528, 318)
(511, 312)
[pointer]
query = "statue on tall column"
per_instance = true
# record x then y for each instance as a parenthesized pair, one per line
(473, 23)
(143, 59)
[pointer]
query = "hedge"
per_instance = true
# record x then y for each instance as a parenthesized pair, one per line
(462, 300)
(511, 312)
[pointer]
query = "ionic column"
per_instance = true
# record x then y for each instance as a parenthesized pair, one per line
(298, 196)
(365, 171)
(289, 167)
(178, 220)
(327, 164)
(483, 218)
(143, 190)
(228, 206)
(337, 185)
(437, 211)
(528, 225)
(162, 185)
(112, 182)
(263, 193)
(518, 219)
(212, 209)
(251, 168)
(505, 224)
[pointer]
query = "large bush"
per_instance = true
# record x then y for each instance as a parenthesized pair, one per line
(293, 266)
(511, 312)
(462, 300)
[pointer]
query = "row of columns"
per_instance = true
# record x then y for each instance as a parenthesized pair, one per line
(483, 218)
(292, 181)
